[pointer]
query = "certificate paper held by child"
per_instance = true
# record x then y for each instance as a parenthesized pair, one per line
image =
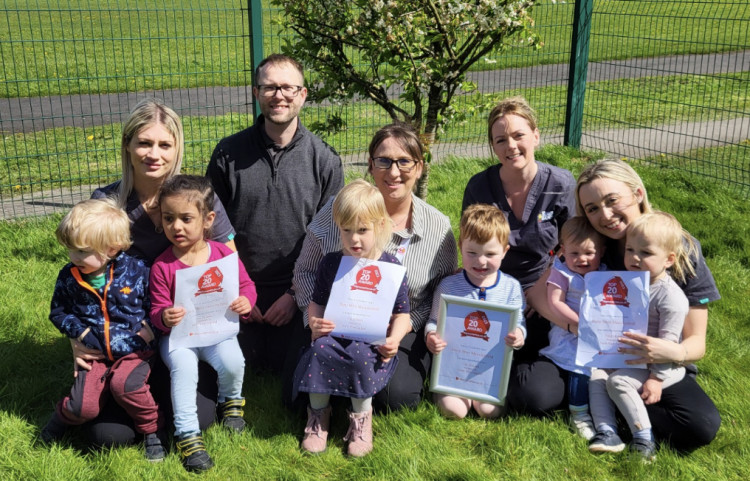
(613, 302)
(206, 291)
(362, 297)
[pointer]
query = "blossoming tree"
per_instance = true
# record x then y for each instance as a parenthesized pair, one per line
(421, 48)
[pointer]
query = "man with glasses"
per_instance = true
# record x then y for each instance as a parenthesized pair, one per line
(272, 178)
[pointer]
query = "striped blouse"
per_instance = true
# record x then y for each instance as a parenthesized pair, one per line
(430, 255)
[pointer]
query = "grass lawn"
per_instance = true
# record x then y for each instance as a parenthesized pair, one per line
(413, 444)
(100, 46)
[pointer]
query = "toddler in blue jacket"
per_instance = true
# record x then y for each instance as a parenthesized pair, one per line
(101, 300)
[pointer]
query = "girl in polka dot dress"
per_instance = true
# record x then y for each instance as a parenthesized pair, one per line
(335, 366)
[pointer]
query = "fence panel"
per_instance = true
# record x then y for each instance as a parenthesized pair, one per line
(667, 82)
(682, 100)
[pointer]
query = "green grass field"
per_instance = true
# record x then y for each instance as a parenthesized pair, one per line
(410, 445)
(102, 46)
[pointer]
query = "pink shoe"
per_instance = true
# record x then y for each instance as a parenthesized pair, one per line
(316, 431)
(359, 434)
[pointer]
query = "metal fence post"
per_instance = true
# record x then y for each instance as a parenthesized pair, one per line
(579, 61)
(255, 8)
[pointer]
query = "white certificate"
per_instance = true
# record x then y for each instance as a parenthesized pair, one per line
(475, 364)
(362, 298)
(206, 291)
(614, 302)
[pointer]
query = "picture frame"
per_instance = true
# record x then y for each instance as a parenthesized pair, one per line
(476, 362)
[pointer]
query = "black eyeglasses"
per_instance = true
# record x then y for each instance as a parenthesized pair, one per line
(288, 91)
(404, 165)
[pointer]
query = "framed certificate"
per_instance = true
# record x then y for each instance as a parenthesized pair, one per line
(476, 362)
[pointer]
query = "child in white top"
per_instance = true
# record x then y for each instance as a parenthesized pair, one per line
(655, 243)
(186, 204)
(582, 248)
(483, 241)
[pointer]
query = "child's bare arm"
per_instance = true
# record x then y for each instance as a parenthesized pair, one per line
(399, 327)
(318, 325)
(563, 315)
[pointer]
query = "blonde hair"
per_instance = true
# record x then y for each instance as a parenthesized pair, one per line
(361, 202)
(667, 232)
(511, 106)
(483, 222)
(578, 229)
(95, 224)
(146, 113)
(614, 169)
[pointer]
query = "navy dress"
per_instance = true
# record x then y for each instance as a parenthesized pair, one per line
(342, 367)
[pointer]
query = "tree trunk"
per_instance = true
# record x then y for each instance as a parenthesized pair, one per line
(424, 180)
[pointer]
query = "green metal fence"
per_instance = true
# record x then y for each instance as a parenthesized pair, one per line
(662, 81)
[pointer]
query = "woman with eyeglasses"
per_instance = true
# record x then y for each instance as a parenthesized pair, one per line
(421, 239)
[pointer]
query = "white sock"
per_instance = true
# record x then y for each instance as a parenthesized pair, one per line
(361, 405)
(319, 401)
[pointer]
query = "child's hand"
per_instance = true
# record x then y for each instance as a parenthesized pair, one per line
(241, 306)
(321, 327)
(172, 316)
(146, 333)
(389, 349)
(515, 339)
(651, 391)
(435, 343)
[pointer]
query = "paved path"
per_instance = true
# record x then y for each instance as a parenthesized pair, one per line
(30, 114)
(632, 143)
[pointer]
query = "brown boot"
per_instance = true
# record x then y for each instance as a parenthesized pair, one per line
(316, 431)
(359, 434)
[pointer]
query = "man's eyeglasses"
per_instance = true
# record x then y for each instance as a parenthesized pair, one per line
(404, 165)
(288, 91)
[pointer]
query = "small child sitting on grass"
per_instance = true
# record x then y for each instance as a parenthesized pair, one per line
(101, 299)
(483, 241)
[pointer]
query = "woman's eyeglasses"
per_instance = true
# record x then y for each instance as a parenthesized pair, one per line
(288, 91)
(404, 165)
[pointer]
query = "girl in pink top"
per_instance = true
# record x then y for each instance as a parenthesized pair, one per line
(187, 213)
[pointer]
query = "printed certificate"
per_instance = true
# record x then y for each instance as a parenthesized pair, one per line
(476, 362)
(362, 298)
(206, 291)
(614, 302)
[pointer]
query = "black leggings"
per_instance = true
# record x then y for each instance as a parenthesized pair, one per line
(685, 418)
(115, 427)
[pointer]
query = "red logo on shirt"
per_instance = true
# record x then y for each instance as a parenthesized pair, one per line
(476, 325)
(367, 279)
(210, 281)
(615, 292)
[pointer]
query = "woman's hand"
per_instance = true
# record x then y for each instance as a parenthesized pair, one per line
(435, 343)
(320, 327)
(651, 391)
(650, 350)
(82, 356)
(241, 306)
(172, 316)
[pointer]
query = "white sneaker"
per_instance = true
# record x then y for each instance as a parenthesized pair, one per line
(582, 424)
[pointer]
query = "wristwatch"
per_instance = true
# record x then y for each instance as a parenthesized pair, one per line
(291, 292)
